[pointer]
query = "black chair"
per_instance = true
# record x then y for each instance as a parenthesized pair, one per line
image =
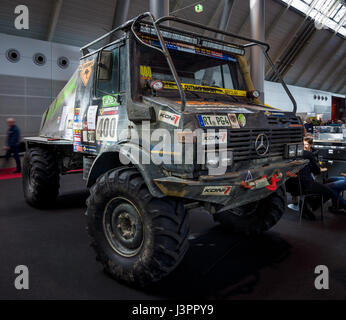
(340, 194)
(302, 198)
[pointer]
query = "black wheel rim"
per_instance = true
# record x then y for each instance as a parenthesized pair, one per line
(123, 226)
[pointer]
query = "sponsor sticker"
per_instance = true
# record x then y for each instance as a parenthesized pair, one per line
(145, 72)
(214, 138)
(205, 89)
(109, 101)
(169, 117)
(206, 120)
(106, 129)
(85, 71)
(249, 176)
(261, 183)
(217, 191)
(85, 135)
(234, 121)
(108, 111)
(77, 148)
(89, 149)
(241, 120)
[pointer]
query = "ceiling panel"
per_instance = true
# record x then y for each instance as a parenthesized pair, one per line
(81, 21)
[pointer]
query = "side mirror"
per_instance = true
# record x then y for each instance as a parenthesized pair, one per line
(105, 66)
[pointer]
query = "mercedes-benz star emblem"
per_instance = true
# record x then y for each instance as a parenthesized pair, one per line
(262, 144)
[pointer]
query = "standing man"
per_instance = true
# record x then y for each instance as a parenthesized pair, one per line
(13, 136)
(309, 127)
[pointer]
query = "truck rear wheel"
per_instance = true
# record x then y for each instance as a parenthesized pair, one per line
(257, 217)
(41, 180)
(138, 239)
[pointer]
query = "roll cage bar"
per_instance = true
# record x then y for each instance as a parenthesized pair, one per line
(156, 24)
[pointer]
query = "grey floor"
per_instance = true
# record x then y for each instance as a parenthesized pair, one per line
(277, 265)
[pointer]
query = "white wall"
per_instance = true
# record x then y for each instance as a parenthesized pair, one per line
(27, 89)
(27, 47)
(275, 96)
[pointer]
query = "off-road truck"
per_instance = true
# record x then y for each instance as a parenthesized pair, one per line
(182, 89)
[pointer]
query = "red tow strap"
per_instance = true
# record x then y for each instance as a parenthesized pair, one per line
(272, 186)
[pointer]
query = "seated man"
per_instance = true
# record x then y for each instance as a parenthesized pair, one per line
(308, 184)
(337, 185)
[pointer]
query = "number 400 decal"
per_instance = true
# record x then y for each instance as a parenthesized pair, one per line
(107, 128)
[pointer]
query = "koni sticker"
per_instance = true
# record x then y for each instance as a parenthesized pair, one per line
(85, 71)
(207, 120)
(217, 191)
(234, 120)
(214, 138)
(169, 117)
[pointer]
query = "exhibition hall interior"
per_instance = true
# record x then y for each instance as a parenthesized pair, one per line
(172, 149)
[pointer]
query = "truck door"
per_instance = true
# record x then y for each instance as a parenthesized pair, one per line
(109, 95)
(96, 113)
(83, 127)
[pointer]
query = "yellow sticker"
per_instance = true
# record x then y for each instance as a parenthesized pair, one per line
(85, 71)
(206, 89)
(145, 72)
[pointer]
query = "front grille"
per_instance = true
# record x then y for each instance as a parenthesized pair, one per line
(288, 119)
(242, 142)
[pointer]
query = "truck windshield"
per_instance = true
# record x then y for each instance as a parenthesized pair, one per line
(203, 73)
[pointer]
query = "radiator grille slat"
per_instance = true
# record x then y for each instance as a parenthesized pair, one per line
(243, 142)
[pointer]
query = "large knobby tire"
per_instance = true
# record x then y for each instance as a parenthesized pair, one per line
(138, 238)
(256, 217)
(41, 179)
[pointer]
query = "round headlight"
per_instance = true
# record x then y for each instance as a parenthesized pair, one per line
(156, 85)
(255, 94)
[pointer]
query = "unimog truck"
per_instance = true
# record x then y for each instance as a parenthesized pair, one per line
(160, 121)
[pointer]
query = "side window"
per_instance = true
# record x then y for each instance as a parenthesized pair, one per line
(237, 77)
(228, 80)
(123, 70)
(108, 72)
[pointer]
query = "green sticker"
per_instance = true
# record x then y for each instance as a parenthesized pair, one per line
(109, 101)
(242, 120)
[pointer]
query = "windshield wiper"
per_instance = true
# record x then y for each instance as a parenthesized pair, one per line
(233, 97)
(196, 94)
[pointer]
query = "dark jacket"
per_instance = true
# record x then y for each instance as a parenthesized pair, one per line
(13, 136)
(313, 167)
(309, 127)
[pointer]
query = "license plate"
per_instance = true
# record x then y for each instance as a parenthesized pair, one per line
(214, 120)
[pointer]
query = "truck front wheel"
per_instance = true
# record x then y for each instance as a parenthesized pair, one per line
(256, 217)
(41, 179)
(138, 238)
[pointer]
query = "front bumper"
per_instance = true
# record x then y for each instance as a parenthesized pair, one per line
(229, 189)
